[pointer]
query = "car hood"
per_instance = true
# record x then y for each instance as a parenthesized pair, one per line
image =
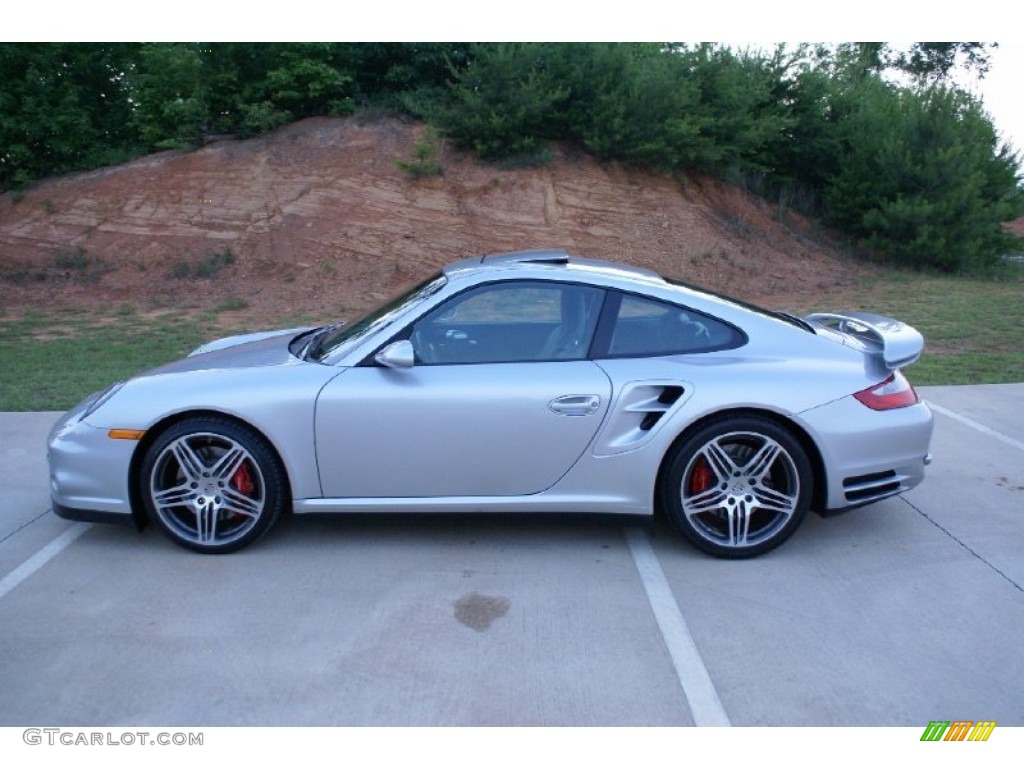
(251, 350)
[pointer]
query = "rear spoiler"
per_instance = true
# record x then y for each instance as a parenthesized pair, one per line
(898, 344)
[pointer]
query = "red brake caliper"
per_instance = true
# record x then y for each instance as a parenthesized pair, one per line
(242, 481)
(701, 478)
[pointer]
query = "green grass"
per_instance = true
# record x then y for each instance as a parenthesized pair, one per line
(974, 332)
(973, 327)
(51, 358)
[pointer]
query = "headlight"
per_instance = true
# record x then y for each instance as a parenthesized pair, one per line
(101, 398)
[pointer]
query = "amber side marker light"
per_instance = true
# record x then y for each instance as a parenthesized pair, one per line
(126, 434)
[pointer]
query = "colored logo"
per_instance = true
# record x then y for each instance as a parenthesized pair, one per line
(958, 730)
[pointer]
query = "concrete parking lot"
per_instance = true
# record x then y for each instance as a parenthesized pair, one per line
(903, 612)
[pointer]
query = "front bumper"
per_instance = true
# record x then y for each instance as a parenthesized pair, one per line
(88, 471)
(90, 515)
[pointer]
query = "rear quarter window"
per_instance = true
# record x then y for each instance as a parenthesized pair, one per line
(644, 327)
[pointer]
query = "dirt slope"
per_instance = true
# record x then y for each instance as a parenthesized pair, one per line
(318, 218)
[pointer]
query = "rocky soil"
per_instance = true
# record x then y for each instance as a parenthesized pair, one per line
(318, 218)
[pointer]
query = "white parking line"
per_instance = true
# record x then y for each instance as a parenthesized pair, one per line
(975, 425)
(693, 676)
(41, 558)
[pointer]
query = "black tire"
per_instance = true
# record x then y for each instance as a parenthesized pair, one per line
(212, 485)
(737, 487)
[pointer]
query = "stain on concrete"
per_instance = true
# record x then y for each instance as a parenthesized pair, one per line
(1005, 483)
(478, 611)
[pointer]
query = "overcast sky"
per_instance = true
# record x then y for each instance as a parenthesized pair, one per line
(1002, 92)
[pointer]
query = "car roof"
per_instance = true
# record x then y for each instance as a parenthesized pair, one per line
(554, 258)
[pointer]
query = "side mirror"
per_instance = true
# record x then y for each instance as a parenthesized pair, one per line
(398, 354)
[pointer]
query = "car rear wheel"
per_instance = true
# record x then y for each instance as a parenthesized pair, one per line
(212, 485)
(738, 487)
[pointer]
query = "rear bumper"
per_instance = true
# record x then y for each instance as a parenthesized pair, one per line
(869, 455)
(861, 491)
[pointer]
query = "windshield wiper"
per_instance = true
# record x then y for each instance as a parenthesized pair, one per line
(312, 348)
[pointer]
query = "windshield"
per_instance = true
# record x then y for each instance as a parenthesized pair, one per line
(339, 337)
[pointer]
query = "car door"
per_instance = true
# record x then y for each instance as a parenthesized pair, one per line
(501, 400)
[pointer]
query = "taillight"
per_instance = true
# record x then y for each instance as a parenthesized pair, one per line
(894, 392)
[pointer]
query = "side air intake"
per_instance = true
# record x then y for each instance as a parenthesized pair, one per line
(641, 407)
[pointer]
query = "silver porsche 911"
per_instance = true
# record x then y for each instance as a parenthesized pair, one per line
(516, 382)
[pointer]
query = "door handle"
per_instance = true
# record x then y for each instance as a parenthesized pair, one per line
(575, 405)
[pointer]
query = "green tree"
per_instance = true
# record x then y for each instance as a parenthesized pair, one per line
(659, 105)
(170, 95)
(383, 73)
(307, 81)
(505, 102)
(923, 179)
(933, 62)
(63, 106)
(741, 116)
(186, 90)
(925, 62)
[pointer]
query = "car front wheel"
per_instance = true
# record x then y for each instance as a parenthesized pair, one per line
(738, 487)
(212, 485)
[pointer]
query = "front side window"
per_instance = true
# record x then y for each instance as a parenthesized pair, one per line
(648, 327)
(510, 322)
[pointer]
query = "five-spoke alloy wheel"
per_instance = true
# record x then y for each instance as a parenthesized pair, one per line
(738, 487)
(212, 485)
